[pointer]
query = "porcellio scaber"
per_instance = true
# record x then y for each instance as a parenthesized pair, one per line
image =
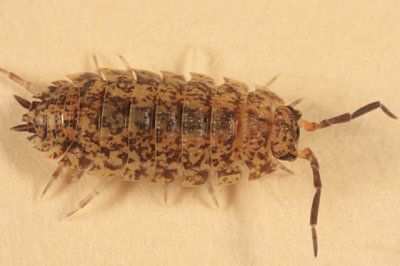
(134, 125)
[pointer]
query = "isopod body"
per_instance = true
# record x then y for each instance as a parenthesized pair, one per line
(135, 125)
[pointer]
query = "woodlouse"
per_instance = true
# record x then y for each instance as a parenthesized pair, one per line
(136, 125)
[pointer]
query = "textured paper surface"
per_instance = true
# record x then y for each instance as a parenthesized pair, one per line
(337, 55)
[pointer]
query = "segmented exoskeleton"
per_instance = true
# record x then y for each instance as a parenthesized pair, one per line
(136, 125)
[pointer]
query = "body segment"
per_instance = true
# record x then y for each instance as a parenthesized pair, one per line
(168, 127)
(85, 145)
(113, 152)
(141, 129)
(196, 130)
(227, 131)
(259, 123)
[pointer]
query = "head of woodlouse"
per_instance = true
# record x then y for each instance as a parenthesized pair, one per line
(285, 133)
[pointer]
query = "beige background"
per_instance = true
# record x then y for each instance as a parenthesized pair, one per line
(338, 55)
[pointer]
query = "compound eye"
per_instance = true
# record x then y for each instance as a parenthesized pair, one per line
(288, 157)
(297, 133)
(295, 112)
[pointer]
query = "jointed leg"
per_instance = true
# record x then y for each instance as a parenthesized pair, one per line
(76, 175)
(309, 155)
(165, 193)
(26, 84)
(283, 167)
(311, 126)
(54, 176)
(296, 102)
(124, 61)
(127, 65)
(210, 189)
(89, 197)
(71, 175)
(96, 65)
(272, 80)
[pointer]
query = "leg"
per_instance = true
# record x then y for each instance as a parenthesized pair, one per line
(70, 175)
(269, 83)
(127, 65)
(124, 61)
(309, 155)
(165, 193)
(210, 189)
(296, 102)
(54, 176)
(96, 65)
(17, 79)
(95, 191)
(311, 126)
(283, 167)
(76, 175)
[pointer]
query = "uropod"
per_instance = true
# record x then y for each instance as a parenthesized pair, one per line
(134, 125)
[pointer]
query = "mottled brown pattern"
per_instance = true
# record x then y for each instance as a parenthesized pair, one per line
(57, 130)
(113, 152)
(227, 130)
(285, 133)
(48, 121)
(168, 126)
(47, 104)
(85, 145)
(48, 114)
(142, 140)
(273, 97)
(142, 126)
(196, 130)
(70, 117)
(258, 125)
